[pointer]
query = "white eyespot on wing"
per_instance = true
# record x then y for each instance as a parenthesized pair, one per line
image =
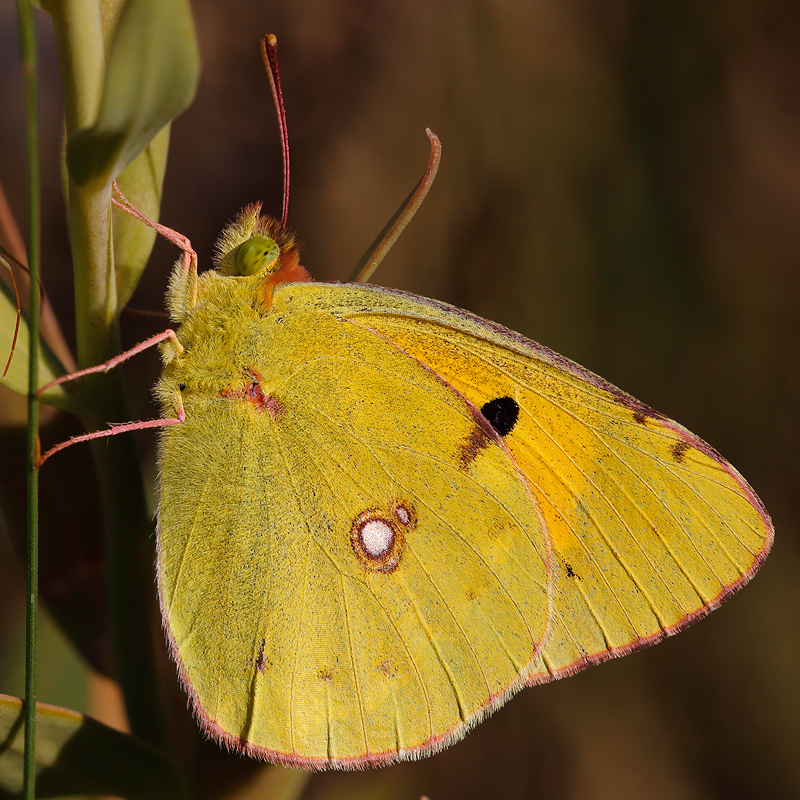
(377, 537)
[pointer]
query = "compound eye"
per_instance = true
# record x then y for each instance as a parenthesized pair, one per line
(256, 254)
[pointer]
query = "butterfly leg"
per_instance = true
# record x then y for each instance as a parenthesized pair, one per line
(189, 273)
(105, 367)
(123, 427)
(113, 362)
(178, 239)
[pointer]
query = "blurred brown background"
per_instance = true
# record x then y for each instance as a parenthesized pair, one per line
(620, 181)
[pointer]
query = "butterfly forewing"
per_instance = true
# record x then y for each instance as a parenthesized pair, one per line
(650, 528)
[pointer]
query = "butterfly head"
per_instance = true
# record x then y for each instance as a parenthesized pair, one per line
(256, 244)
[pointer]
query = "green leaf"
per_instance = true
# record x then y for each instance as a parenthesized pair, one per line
(76, 754)
(151, 77)
(142, 184)
(49, 366)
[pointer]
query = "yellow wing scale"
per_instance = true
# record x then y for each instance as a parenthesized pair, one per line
(593, 527)
(649, 526)
(299, 653)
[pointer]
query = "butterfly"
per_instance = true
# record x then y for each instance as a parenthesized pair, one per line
(380, 516)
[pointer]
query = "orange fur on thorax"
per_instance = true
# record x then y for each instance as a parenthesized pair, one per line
(290, 272)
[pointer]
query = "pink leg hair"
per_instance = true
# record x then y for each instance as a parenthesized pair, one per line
(189, 263)
(113, 362)
(178, 239)
(120, 428)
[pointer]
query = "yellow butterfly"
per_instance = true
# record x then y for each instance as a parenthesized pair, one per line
(380, 516)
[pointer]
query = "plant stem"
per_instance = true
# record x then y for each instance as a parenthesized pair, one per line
(27, 28)
(83, 28)
(130, 552)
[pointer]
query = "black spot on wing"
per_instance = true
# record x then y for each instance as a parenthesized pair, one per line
(496, 419)
(502, 414)
(570, 571)
(260, 663)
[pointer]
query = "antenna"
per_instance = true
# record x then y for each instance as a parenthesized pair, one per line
(394, 227)
(269, 55)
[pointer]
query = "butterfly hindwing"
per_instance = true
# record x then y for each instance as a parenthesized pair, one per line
(357, 590)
